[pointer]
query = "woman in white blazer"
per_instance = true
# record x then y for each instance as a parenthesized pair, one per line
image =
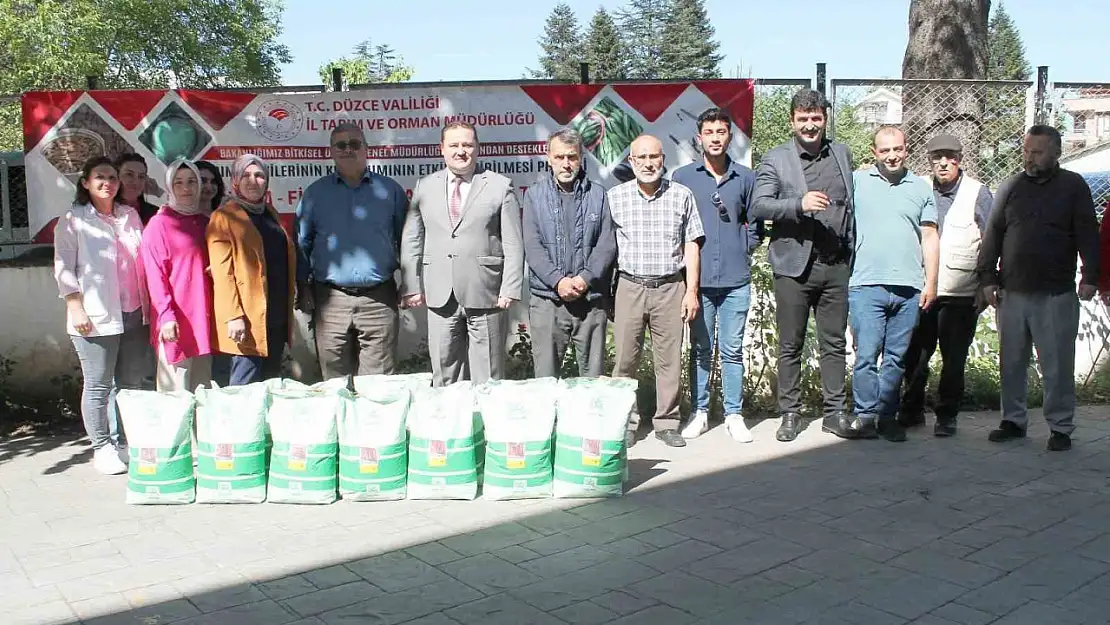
(97, 266)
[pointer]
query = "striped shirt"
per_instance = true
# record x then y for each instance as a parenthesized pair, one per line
(652, 231)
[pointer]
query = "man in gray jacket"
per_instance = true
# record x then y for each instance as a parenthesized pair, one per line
(462, 255)
(804, 187)
(570, 247)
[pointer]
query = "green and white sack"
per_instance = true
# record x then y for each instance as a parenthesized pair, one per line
(233, 443)
(365, 384)
(519, 420)
(373, 443)
(443, 450)
(305, 456)
(159, 430)
(590, 455)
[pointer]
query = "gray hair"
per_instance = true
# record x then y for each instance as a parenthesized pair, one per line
(346, 127)
(566, 136)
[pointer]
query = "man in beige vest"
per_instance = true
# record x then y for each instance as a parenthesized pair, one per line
(963, 206)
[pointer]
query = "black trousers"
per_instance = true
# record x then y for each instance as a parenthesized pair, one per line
(950, 324)
(824, 290)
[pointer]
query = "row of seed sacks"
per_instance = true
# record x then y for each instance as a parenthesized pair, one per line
(378, 438)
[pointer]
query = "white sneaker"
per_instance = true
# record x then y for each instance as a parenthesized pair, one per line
(737, 429)
(698, 425)
(106, 460)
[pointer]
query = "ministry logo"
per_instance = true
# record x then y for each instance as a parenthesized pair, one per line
(278, 120)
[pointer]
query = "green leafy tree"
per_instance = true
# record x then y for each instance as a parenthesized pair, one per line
(137, 44)
(562, 46)
(605, 51)
(770, 120)
(643, 23)
(1004, 113)
(368, 64)
(687, 48)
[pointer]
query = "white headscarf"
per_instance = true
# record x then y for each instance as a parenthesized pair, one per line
(175, 203)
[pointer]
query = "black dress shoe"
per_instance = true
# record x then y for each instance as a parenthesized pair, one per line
(842, 424)
(892, 430)
(671, 438)
(791, 425)
(1059, 442)
(944, 428)
(1007, 431)
(911, 418)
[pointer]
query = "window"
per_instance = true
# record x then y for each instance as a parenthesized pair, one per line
(1080, 124)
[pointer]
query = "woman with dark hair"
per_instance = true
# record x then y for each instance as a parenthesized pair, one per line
(253, 264)
(211, 187)
(100, 277)
(175, 262)
(133, 178)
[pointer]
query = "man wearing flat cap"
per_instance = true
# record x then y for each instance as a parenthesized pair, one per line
(963, 207)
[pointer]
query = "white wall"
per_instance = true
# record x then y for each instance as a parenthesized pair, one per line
(32, 330)
(1088, 163)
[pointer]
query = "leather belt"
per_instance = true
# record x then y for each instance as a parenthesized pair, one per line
(654, 283)
(358, 291)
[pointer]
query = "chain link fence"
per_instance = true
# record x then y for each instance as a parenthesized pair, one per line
(989, 117)
(1081, 112)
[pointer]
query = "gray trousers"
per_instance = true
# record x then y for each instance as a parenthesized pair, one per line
(466, 344)
(1050, 323)
(120, 358)
(555, 325)
(356, 334)
(659, 310)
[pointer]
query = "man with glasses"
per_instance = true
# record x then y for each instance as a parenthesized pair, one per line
(348, 241)
(963, 208)
(659, 233)
(804, 187)
(722, 189)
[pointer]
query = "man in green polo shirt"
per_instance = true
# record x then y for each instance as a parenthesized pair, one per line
(894, 275)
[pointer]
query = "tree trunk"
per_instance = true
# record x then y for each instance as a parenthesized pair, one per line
(947, 40)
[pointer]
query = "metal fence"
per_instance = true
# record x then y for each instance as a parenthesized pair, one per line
(989, 118)
(1081, 111)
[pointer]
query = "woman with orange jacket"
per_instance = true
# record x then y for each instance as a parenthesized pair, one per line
(253, 270)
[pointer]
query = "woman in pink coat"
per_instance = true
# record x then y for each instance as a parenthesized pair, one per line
(175, 261)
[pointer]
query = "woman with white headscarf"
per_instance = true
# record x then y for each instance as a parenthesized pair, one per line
(253, 263)
(175, 261)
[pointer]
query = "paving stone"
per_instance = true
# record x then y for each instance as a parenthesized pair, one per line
(679, 555)
(331, 576)
(439, 618)
(1037, 613)
(585, 613)
(566, 561)
(657, 615)
(90, 609)
(261, 613)
(433, 553)
(624, 526)
(53, 613)
(758, 556)
(940, 566)
(716, 532)
(489, 574)
(491, 539)
(555, 543)
(622, 602)
(500, 609)
(660, 538)
(227, 597)
(164, 612)
(855, 612)
(553, 522)
(961, 614)
(287, 587)
(404, 606)
(911, 596)
(516, 554)
(558, 592)
(396, 571)
(688, 593)
(321, 601)
(628, 548)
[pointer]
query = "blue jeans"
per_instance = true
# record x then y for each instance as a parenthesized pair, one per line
(722, 318)
(883, 319)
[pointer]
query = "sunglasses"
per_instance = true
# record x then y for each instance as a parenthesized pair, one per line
(352, 145)
(722, 212)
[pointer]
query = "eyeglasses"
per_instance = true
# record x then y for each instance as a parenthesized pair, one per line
(352, 145)
(722, 212)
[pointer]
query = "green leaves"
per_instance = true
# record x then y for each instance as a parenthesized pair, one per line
(562, 46)
(368, 64)
(137, 44)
